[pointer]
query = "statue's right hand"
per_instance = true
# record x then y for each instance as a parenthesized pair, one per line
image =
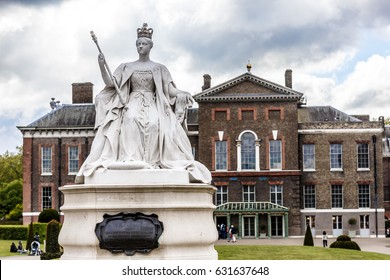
(101, 58)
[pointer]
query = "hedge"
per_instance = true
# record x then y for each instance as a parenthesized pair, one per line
(40, 228)
(20, 232)
(13, 232)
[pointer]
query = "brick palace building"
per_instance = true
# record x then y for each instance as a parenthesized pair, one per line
(277, 163)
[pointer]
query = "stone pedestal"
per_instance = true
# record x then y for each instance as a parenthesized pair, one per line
(185, 209)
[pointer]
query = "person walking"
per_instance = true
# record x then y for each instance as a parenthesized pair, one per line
(232, 233)
(324, 239)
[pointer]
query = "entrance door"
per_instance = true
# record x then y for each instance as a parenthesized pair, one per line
(249, 226)
(221, 222)
(364, 226)
(337, 225)
(277, 226)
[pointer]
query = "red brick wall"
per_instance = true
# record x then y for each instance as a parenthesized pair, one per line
(233, 125)
(27, 171)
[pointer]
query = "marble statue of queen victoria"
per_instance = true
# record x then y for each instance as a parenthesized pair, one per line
(135, 121)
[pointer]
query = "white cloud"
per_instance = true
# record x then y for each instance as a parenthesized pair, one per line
(366, 89)
(317, 90)
(14, 19)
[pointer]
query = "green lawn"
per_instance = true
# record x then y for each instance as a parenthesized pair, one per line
(264, 252)
(276, 252)
(5, 246)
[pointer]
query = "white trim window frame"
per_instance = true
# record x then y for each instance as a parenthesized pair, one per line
(248, 193)
(221, 155)
(47, 198)
(249, 226)
(309, 157)
(241, 149)
(337, 196)
(311, 221)
(363, 157)
(309, 196)
(275, 155)
(73, 160)
(364, 195)
(336, 156)
(364, 221)
(276, 194)
(46, 160)
(248, 151)
(337, 221)
(221, 195)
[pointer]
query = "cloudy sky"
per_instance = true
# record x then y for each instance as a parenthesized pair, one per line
(339, 51)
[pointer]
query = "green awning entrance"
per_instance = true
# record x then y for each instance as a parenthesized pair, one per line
(254, 208)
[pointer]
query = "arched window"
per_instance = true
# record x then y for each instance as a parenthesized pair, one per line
(248, 158)
(248, 151)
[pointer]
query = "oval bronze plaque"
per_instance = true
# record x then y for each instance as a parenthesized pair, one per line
(129, 232)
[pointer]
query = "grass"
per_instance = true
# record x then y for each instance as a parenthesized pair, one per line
(277, 252)
(263, 252)
(5, 246)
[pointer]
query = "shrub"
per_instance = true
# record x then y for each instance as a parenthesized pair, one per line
(53, 249)
(47, 215)
(30, 237)
(343, 238)
(352, 222)
(308, 241)
(345, 242)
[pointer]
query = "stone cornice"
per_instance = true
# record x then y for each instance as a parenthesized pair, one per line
(263, 173)
(51, 132)
(339, 130)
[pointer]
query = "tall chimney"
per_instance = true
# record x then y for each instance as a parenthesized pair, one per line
(288, 78)
(82, 93)
(206, 81)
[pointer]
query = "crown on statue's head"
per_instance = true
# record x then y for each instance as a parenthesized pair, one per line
(145, 31)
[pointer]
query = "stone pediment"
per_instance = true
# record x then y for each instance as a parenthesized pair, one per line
(247, 87)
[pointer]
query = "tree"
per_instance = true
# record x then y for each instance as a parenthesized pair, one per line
(11, 194)
(16, 213)
(11, 184)
(308, 241)
(11, 166)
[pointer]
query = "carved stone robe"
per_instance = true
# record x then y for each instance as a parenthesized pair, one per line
(119, 126)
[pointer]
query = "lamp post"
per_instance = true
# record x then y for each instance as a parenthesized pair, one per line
(375, 188)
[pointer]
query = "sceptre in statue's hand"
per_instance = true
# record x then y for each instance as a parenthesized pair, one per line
(105, 69)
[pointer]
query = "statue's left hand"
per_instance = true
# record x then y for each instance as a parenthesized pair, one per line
(184, 100)
(188, 97)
